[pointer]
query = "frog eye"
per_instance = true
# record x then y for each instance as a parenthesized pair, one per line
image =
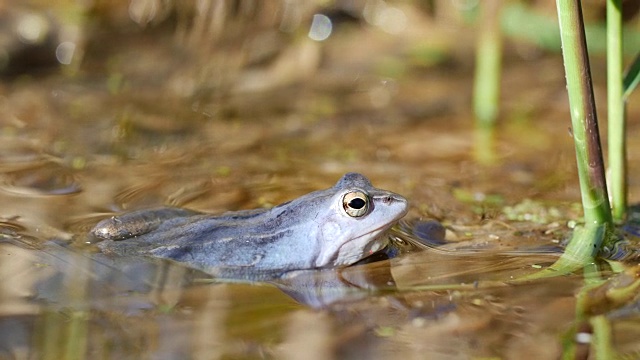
(355, 203)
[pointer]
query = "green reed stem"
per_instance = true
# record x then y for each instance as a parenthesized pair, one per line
(584, 121)
(616, 111)
(486, 89)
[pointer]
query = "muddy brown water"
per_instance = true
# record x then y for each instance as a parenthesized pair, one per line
(146, 120)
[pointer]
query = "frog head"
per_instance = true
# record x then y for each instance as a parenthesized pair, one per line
(357, 215)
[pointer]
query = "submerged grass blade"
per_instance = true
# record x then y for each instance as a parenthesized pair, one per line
(582, 249)
(601, 346)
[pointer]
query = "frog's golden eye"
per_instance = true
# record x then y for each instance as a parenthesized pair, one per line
(355, 203)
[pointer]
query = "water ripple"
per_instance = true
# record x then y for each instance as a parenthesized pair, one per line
(42, 179)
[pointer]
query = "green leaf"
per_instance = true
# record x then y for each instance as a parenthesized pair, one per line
(631, 78)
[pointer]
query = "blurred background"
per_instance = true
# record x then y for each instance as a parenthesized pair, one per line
(217, 105)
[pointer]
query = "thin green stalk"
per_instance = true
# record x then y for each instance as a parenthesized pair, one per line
(486, 89)
(583, 114)
(616, 112)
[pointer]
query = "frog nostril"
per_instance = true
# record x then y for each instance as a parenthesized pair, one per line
(387, 199)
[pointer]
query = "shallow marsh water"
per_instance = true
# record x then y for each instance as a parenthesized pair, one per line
(150, 119)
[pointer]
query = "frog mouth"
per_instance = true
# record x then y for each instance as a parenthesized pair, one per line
(360, 247)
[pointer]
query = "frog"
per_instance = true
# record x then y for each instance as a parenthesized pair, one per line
(330, 228)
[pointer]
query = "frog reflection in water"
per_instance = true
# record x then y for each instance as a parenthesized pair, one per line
(327, 228)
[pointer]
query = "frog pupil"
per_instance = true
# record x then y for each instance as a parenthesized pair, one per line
(356, 203)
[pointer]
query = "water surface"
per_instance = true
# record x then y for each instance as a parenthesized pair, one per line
(175, 113)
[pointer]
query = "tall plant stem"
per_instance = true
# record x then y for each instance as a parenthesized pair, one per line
(616, 111)
(486, 86)
(584, 122)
